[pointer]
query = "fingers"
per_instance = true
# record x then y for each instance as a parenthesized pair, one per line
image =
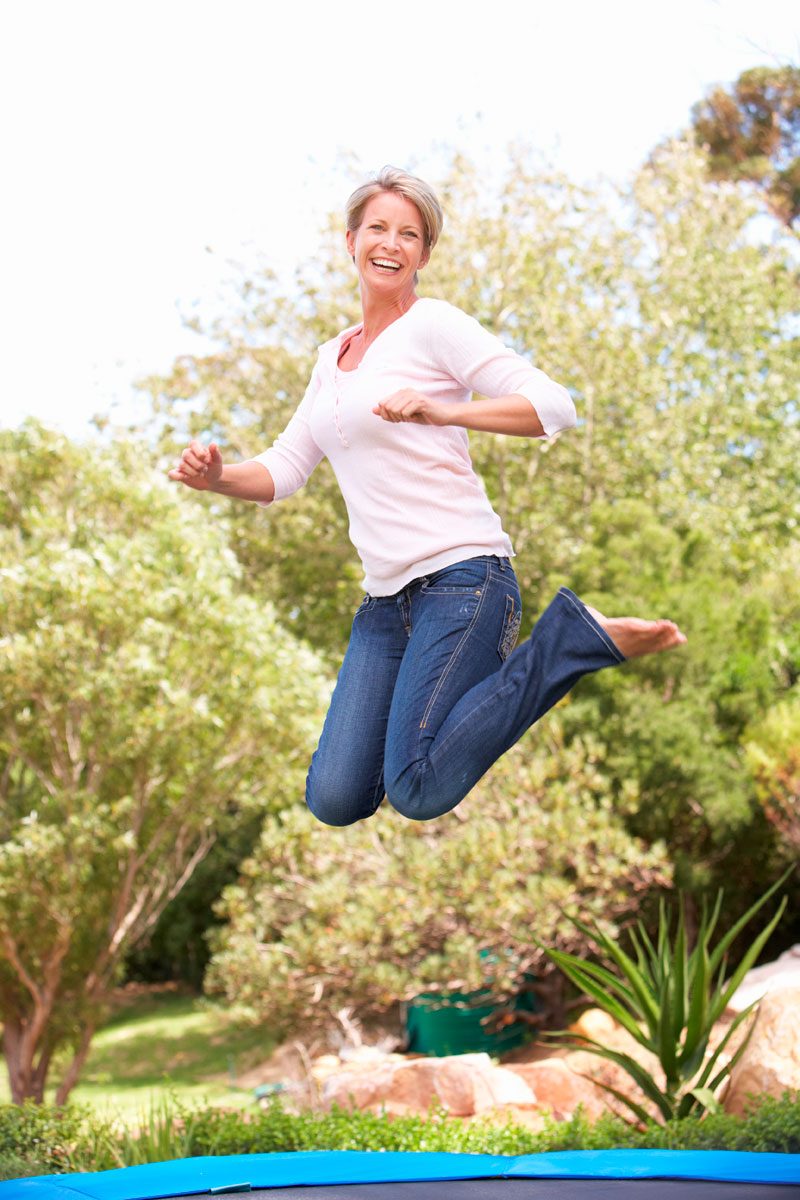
(194, 462)
(405, 405)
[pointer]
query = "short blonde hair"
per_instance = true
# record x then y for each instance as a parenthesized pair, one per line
(392, 179)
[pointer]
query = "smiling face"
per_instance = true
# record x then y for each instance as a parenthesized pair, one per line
(389, 244)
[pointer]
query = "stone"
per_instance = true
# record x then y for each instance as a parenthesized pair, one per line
(559, 1089)
(770, 1064)
(784, 972)
(595, 1024)
(465, 1084)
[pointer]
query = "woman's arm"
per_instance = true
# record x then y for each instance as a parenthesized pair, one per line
(513, 414)
(470, 354)
(201, 467)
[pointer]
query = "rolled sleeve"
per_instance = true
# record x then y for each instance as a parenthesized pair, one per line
(552, 402)
(481, 362)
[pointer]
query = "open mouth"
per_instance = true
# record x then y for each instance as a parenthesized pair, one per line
(386, 265)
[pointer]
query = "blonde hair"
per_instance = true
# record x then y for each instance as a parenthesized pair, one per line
(392, 179)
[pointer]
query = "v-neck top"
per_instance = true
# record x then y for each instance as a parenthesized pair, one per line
(413, 498)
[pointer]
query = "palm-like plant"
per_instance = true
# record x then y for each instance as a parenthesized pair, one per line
(669, 998)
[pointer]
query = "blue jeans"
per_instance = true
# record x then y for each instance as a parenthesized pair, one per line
(431, 691)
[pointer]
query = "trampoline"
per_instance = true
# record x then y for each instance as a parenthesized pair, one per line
(382, 1175)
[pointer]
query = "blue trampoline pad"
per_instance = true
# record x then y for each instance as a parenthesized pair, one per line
(373, 1175)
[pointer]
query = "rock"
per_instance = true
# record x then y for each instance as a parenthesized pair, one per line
(770, 1064)
(464, 1084)
(784, 972)
(560, 1089)
(595, 1024)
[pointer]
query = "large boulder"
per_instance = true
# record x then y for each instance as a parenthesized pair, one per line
(770, 1064)
(559, 1089)
(775, 976)
(465, 1084)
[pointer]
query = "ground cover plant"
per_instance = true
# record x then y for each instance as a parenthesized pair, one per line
(39, 1140)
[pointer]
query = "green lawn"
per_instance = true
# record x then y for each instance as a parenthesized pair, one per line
(163, 1043)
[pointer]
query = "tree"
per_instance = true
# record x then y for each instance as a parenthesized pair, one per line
(674, 327)
(773, 755)
(751, 131)
(145, 703)
(375, 913)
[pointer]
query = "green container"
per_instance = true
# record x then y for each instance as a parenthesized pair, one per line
(456, 1023)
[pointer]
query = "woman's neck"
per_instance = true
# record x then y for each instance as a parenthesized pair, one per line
(379, 312)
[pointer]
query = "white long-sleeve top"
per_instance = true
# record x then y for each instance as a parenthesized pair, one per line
(414, 501)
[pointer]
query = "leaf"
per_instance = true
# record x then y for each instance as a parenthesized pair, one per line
(748, 959)
(707, 1098)
(589, 978)
(697, 1024)
(731, 935)
(637, 1072)
(644, 1116)
(630, 972)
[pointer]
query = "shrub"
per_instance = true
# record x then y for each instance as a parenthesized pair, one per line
(669, 999)
(40, 1140)
(370, 915)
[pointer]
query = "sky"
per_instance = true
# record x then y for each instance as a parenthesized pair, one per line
(148, 146)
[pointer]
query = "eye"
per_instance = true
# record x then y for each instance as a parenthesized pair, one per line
(412, 233)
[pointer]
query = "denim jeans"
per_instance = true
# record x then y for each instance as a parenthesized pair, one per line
(431, 691)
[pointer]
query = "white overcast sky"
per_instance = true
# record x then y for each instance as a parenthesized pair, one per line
(146, 145)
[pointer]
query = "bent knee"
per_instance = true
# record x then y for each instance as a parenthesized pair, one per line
(410, 803)
(337, 806)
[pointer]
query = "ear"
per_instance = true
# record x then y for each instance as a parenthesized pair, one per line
(425, 259)
(350, 241)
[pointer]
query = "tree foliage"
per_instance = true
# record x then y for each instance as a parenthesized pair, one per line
(773, 755)
(751, 131)
(675, 329)
(144, 704)
(371, 914)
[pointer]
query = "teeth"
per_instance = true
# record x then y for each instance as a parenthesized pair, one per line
(385, 262)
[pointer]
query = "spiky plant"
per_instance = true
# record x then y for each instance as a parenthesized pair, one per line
(669, 998)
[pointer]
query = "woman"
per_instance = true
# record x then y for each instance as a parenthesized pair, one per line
(431, 691)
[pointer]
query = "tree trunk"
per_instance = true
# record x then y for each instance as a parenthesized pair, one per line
(25, 1080)
(72, 1073)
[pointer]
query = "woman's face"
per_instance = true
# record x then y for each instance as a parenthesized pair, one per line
(389, 244)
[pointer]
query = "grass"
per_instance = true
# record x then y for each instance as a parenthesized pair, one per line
(163, 1044)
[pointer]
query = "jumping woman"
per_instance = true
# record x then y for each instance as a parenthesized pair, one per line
(431, 691)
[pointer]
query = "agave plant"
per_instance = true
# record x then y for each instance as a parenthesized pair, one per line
(669, 998)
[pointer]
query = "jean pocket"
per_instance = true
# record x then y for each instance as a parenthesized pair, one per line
(366, 603)
(511, 624)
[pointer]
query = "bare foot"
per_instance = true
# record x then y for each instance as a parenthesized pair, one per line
(634, 637)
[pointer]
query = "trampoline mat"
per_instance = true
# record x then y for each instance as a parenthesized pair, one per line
(531, 1189)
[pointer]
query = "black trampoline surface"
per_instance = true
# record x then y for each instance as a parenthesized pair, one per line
(530, 1189)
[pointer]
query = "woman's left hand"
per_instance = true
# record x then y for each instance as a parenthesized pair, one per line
(408, 405)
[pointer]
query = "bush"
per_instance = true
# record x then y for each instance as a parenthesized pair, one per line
(40, 1140)
(367, 916)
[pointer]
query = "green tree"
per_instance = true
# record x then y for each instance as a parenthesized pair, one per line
(773, 755)
(369, 915)
(675, 329)
(751, 131)
(145, 704)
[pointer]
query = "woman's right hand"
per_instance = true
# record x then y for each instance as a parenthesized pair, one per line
(200, 466)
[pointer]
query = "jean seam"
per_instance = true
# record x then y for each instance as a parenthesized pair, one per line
(595, 628)
(456, 653)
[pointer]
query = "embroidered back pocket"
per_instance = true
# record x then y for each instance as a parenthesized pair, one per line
(511, 623)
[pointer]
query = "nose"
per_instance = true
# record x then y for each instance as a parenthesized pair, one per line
(390, 239)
